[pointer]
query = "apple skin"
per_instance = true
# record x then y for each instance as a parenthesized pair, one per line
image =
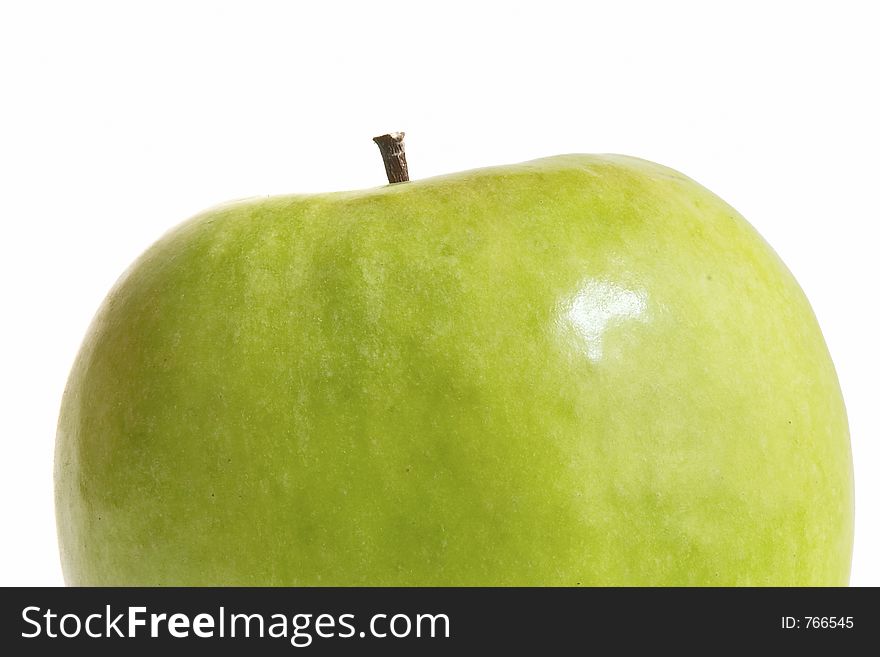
(581, 370)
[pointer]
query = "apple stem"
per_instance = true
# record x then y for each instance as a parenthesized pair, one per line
(391, 147)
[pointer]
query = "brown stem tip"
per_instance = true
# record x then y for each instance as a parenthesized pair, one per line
(391, 147)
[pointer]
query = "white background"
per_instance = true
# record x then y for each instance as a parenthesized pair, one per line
(117, 120)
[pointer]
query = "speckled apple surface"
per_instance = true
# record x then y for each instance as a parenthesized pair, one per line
(582, 370)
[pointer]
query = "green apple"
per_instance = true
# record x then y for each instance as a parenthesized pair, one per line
(582, 370)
